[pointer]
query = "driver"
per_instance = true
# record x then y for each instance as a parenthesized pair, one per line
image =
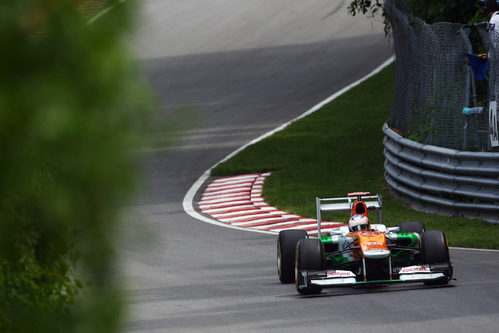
(358, 222)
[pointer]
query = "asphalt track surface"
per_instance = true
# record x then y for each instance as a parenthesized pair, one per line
(242, 68)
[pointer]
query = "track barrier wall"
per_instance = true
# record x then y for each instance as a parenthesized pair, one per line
(442, 180)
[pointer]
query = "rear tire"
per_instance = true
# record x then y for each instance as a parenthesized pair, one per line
(436, 251)
(412, 226)
(286, 252)
(309, 256)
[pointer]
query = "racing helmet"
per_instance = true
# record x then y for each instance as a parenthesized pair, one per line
(358, 222)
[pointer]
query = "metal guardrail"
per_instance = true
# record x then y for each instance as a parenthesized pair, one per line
(441, 180)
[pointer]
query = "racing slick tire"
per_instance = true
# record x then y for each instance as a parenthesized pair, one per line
(309, 256)
(286, 252)
(436, 251)
(412, 226)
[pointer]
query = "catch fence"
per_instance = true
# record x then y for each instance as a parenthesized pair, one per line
(439, 158)
(433, 83)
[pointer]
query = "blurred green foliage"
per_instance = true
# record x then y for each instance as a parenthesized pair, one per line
(365, 7)
(70, 106)
(431, 11)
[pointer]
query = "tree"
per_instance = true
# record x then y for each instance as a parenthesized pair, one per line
(70, 103)
(431, 11)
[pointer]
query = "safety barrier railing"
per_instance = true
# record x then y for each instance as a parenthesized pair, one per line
(441, 180)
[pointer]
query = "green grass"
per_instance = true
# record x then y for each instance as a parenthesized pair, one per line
(339, 149)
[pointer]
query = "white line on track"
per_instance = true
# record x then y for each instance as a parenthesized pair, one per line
(237, 199)
(230, 212)
(248, 212)
(212, 187)
(188, 202)
(253, 218)
(472, 249)
(218, 210)
(268, 221)
(233, 190)
(208, 197)
(222, 204)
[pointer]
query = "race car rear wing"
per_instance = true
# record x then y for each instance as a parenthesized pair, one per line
(328, 205)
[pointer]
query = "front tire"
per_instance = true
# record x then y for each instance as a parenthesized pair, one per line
(309, 256)
(412, 226)
(286, 252)
(436, 251)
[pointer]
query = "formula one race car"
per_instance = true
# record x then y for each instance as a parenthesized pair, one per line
(361, 253)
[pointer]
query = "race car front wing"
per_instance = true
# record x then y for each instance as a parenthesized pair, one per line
(335, 278)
